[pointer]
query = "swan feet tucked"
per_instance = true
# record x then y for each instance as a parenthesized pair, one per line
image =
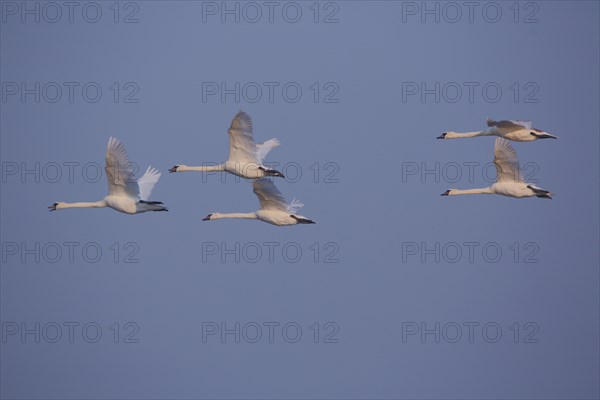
(542, 135)
(271, 172)
(154, 205)
(541, 193)
(302, 220)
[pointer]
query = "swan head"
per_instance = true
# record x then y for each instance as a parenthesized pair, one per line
(447, 192)
(177, 168)
(56, 206)
(539, 134)
(209, 217)
(447, 135)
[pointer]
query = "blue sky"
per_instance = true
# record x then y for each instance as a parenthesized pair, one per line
(362, 130)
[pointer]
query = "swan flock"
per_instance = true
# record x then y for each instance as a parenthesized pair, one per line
(509, 179)
(129, 195)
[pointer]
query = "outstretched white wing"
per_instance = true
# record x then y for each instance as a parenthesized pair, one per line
(507, 164)
(119, 170)
(270, 198)
(508, 125)
(147, 181)
(294, 206)
(524, 124)
(263, 149)
(242, 148)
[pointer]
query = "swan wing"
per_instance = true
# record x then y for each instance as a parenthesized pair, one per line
(147, 181)
(524, 124)
(263, 149)
(507, 164)
(269, 197)
(119, 171)
(294, 206)
(242, 148)
(509, 125)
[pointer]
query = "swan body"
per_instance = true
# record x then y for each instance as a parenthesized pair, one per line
(517, 131)
(510, 181)
(245, 156)
(273, 207)
(125, 193)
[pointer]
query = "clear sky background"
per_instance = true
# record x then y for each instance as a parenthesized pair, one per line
(368, 220)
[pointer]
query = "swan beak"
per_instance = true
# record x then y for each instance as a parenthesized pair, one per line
(207, 218)
(52, 207)
(174, 169)
(442, 136)
(446, 193)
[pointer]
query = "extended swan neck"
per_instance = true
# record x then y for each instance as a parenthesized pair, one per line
(230, 215)
(456, 192)
(203, 168)
(457, 135)
(83, 204)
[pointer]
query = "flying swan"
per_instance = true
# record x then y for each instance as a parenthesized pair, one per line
(125, 193)
(273, 207)
(509, 181)
(245, 156)
(518, 131)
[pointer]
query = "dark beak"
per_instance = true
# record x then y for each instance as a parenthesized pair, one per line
(446, 193)
(174, 169)
(52, 207)
(207, 218)
(442, 136)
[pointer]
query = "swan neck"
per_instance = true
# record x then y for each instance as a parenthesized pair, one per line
(203, 168)
(84, 204)
(456, 192)
(454, 135)
(235, 215)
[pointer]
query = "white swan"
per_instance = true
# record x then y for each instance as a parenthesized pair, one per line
(273, 207)
(125, 193)
(245, 156)
(509, 181)
(518, 131)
